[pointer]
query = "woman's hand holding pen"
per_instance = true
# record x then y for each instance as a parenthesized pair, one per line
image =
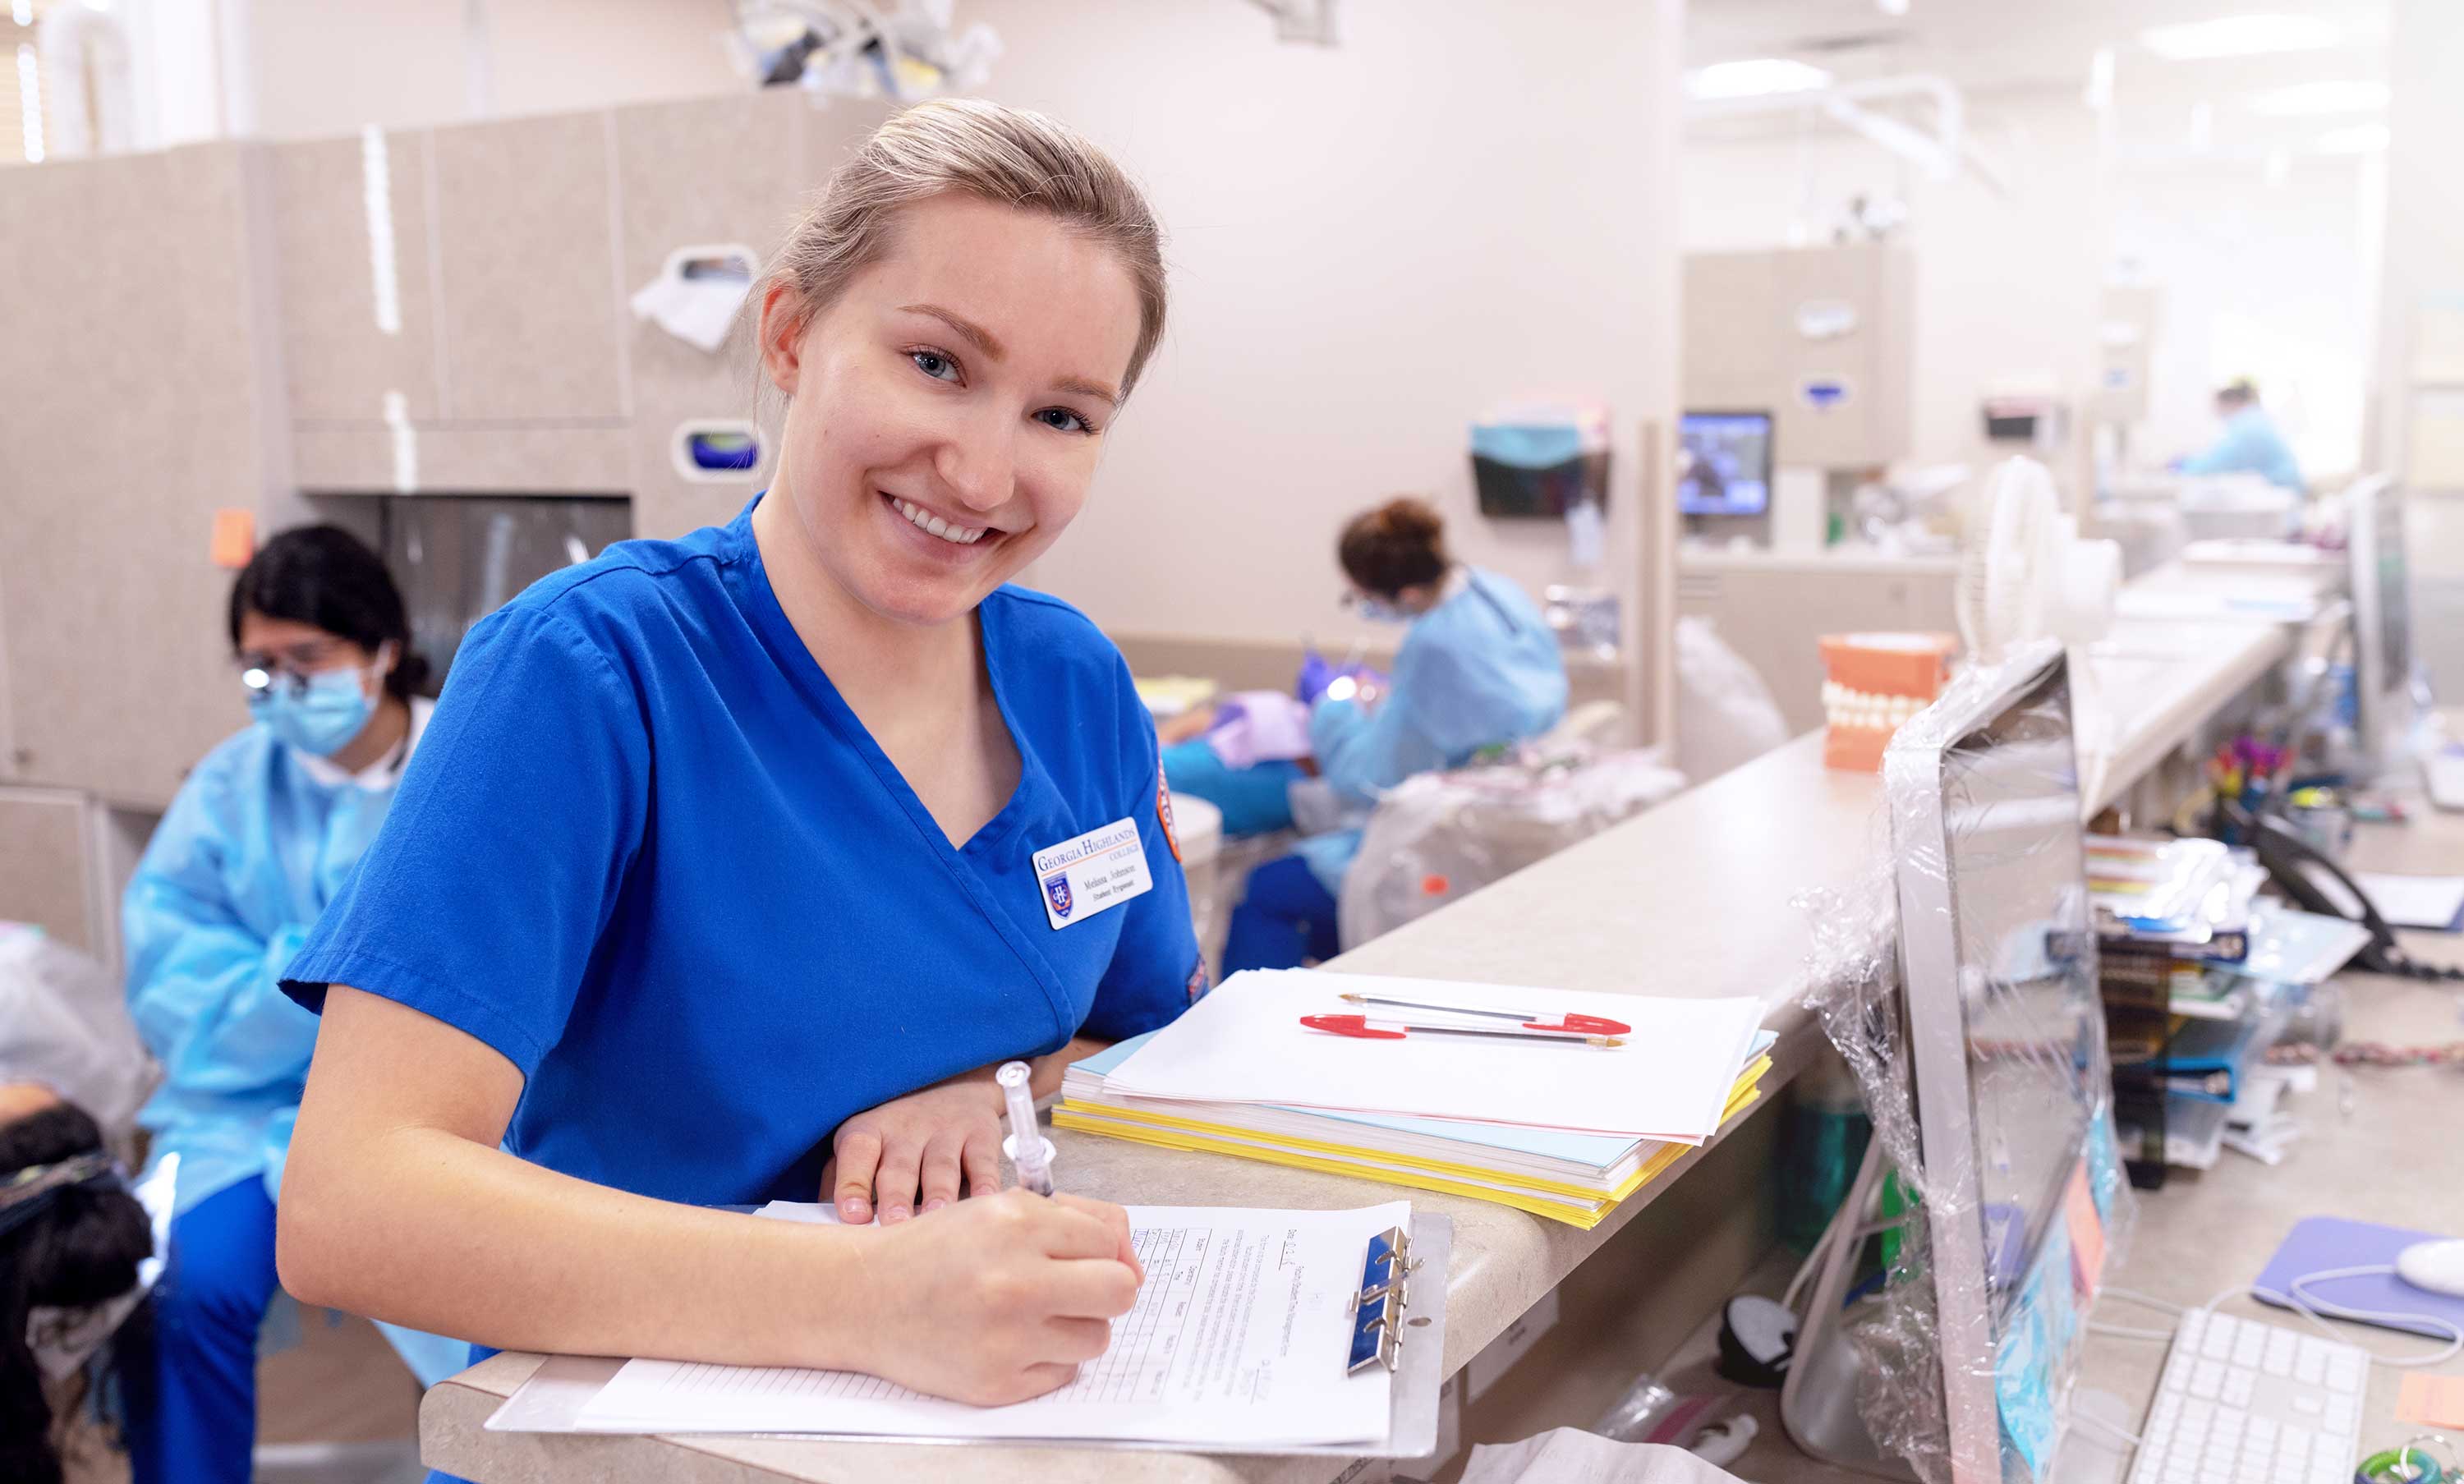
(996, 1299)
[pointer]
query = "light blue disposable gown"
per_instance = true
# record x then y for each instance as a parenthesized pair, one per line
(256, 844)
(2250, 444)
(1480, 669)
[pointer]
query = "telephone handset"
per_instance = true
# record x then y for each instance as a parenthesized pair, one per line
(2316, 883)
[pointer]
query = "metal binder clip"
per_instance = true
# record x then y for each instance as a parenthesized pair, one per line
(1377, 1309)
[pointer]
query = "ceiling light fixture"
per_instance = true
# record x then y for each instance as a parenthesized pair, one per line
(1759, 77)
(2360, 139)
(2311, 100)
(2100, 79)
(2240, 35)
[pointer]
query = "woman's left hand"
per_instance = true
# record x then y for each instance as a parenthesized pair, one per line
(908, 1155)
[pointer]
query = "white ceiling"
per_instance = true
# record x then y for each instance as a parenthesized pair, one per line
(1987, 46)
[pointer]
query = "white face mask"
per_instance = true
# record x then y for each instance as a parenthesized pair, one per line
(1378, 610)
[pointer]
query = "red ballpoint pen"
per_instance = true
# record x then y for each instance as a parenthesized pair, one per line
(1593, 1025)
(1360, 1029)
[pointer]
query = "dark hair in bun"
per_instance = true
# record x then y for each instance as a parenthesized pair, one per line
(1400, 544)
(81, 1247)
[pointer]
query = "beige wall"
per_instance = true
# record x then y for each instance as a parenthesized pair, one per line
(2263, 280)
(317, 67)
(1370, 244)
(2258, 279)
(2003, 287)
(2420, 363)
(2419, 414)
(140, 385)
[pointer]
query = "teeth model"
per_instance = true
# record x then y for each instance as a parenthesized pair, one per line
(1842, 707)
(925, 520)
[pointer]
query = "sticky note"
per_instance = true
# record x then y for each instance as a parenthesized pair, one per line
(234, 538)
(2431, 1401)
(2086, 1229)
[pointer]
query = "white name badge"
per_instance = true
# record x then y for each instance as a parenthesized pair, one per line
(1094, 873)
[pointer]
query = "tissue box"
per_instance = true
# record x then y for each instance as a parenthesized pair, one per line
(1873, 683)
(1541, 459)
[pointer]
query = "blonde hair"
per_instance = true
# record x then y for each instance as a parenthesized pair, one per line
(972, 147)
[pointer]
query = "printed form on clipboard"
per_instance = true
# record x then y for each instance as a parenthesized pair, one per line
(1245, 1335)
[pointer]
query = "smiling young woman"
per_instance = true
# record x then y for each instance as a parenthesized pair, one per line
(716, 879)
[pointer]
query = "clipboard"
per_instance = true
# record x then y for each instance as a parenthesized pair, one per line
(1399, 1322)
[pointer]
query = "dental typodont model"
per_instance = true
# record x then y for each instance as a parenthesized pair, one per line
(1876, 682)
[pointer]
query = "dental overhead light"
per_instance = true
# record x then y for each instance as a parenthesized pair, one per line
(2360, 139)
(903, 50)
(2310, 99)
(1759, 77)
(1302, 20)
(1874, 108)
(2240, 35)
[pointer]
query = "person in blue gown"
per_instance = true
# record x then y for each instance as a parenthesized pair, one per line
(1479, 668)
(259, 839)
(2249, 443)
(734, 866)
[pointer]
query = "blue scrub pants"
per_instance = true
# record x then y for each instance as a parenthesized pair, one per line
(1288, 919)
(1254, 799)
(192, 1400)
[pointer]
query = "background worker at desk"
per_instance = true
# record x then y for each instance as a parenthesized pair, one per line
(1480, 667)
(2249, 444)
(732, 855)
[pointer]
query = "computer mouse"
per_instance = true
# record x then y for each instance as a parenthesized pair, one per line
(2437, 1266)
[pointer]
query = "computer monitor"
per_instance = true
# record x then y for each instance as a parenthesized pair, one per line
(2384, 710)
(1992, 1090)
(1723, 464)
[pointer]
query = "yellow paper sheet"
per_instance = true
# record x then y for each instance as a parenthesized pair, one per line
(1743, 1093)
(1581, 1208)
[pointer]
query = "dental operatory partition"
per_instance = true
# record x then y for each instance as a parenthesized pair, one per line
(1950, 1292)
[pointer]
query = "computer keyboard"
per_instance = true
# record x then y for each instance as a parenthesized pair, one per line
(2241, 1401)
(2443, 770)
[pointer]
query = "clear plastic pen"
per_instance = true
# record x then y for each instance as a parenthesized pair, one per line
(1026, 1146)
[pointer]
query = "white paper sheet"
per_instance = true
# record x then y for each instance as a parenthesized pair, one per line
(1245, 1043)
(2430, 901)
(1240, 1335)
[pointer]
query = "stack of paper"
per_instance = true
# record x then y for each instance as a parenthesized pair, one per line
(1239, 1337)
(1561, 1131)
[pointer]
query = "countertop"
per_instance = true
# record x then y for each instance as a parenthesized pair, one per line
(1706, 895)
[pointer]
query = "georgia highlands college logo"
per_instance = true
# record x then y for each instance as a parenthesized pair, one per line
(1057, 887)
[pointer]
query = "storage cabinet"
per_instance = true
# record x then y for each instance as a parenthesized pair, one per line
(46, 875)
(525, 215)
(711, 172)
(116, 659)
(1822, 337)
(1772, 609)
(351, 233)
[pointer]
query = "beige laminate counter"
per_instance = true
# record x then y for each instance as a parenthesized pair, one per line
(1699, 897)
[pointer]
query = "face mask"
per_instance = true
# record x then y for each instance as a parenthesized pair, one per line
(322, 717)
(1378, 610)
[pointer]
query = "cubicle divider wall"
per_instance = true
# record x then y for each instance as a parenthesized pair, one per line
(280, 328)
(242, 325)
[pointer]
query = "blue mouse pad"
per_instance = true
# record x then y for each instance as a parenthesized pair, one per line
(2319, 1244)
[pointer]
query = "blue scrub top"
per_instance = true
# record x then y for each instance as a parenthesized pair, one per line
(2250, 444)
(647, 853)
